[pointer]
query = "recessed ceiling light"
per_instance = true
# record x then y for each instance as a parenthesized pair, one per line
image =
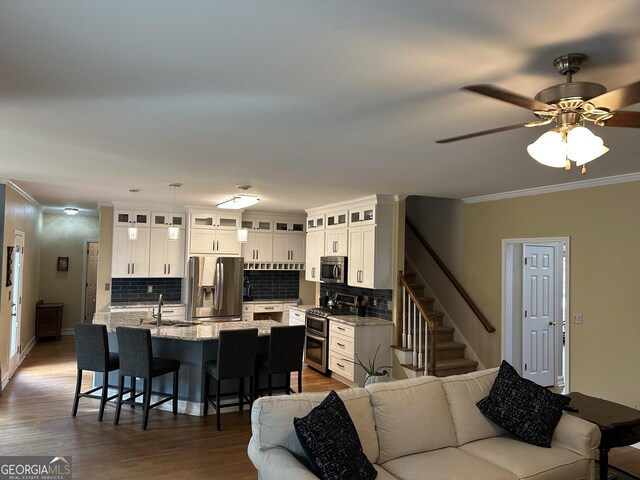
(71, 211)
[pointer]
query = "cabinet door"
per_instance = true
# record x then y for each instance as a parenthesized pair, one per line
(314, 250)
(337, 219)
(281, 251)
(355, 256)
(202, 241)
(121, 253)
(337, 241)
(297, 247)
(367, 269)
(258, 247)
(140, 253)
(163, 220)
(228, 222)
(227, 243)
(158, 252)
(175, 256)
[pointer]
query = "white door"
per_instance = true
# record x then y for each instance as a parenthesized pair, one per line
(16, 300)
(91, 282)
(539, 314)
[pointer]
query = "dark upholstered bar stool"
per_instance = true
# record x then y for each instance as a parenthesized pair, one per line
(137, 361)
(236, 360)
(92, 353)
(286, 348)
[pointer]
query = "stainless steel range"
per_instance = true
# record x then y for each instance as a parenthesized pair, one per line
(316, 351)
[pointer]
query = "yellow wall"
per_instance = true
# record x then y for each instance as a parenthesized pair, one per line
(20, 214)
(103, 296)
(604, 230)
(65, 236)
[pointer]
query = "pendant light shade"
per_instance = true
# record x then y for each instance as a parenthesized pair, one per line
(173, 232)
(242, 235)
(133, 230)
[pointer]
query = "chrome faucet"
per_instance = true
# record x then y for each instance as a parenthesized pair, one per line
(158, 316)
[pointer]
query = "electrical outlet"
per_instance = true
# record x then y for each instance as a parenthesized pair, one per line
(107, 287)
(149, 288)
(577, 318)
(374, 302)
(390, 305)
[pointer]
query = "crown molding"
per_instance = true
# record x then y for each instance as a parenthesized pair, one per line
(596, 182)
(23, 193)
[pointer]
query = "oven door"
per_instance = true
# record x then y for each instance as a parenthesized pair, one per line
(317, 325)
(315, 352)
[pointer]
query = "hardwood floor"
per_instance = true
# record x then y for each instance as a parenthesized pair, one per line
(35, 419)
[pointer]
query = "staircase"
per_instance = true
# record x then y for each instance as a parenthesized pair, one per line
(424, 331)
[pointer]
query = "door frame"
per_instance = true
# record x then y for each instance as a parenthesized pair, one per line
(512, 294)
(84, 275)
(16, 286)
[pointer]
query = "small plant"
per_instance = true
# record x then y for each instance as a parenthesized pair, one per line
(371, 370)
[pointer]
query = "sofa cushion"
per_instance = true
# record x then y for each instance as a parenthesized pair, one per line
(272, 419)
(411, 416)
(523, 407)
(330, 440)
(527, 461)
(462, 393)
(445, 464)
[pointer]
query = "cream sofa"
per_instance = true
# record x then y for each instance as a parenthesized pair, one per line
(426, 428)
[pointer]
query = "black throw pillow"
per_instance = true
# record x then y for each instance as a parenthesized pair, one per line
(522, 407)
(330, 440)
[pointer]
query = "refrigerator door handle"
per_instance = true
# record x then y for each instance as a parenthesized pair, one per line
(221, 286)
(216, 282)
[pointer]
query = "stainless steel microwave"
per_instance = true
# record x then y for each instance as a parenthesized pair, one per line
(333, 269)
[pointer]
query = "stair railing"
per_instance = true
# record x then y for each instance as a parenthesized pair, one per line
(472, 305)
(418, 329)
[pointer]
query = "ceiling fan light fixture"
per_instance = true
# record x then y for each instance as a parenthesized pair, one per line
(583, 146)
(549, 150)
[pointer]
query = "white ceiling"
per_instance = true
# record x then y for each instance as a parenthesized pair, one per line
(309, 101)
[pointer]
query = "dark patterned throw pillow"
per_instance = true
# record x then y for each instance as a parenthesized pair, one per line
(330, 440)
(523, 407)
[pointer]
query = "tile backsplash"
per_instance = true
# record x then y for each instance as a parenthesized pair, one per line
(381, 298)
(273, 283)
(135, 289)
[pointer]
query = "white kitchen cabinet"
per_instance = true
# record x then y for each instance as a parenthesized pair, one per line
(172, 312)
(315, 244)
(214, 242)
(130, 258)
(218, 220)
(289, 225)
(288, 247)
(127, 218)
(337, 219)
(258, 247)
(370, 256)
(348, 341)
(296, 316)
(247, 312)
(315, 222)
(261, 224)
(164, 220)
(362, 215)
(337, 241)
(166, 258)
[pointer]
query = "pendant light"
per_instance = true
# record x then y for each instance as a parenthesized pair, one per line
(173, 232)
(133, 230)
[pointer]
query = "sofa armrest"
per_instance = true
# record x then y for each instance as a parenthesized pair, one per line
(277, 464)
(577, 435)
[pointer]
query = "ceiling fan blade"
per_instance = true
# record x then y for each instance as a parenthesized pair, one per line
(618, 98)
(507, 96)
(624, 119)
(484, 132)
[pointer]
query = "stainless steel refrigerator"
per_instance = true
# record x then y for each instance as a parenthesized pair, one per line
(215, 288)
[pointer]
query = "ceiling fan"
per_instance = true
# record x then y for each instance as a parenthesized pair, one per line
(568, 106)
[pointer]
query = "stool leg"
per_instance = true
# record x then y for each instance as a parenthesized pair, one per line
(133, 391)
(74, 409)
(116, 417)
(218, 403)
(207, 381)
(269, 383)
(175, 392)
(300, 381)
(147, 402)
(103, 398)
(287, 384)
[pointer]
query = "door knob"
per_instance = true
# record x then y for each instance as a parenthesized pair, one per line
(552, 323)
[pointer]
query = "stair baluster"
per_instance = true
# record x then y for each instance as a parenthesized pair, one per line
(420, 337)
(405, 320)
(415, 331)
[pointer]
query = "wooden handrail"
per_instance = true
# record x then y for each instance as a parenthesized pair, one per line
(472, 305)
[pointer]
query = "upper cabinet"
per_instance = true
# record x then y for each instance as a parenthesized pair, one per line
(315, 222)
(214, 219)
(214, 232)
(361, 230)
(164, 220)
(127, 218)
(130, 258)
(166, 257)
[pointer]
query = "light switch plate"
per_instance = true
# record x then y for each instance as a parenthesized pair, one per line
(576, 318)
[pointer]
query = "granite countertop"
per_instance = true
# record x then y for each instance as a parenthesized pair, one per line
(356, 320)
(303, 308)
(168, 303)
(273, 300)
(196, 333)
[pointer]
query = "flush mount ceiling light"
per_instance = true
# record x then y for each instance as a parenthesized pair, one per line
(133, 230)
(570, 106)
(71, 211)
(173, 232)
(239, 200)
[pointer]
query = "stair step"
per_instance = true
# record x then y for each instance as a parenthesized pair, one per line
(455, 366)
(445, 333)
(449, 350)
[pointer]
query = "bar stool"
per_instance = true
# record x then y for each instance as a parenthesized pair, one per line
(92, 353)
(286, 349)
(236, 360)
(137, 361)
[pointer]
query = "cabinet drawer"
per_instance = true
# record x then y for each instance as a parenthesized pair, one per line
(296, 317)
(247, 317)
(267, 307)
(340, 366)
(247, 308)
(342, 329)
(342, 345)
(173, 313)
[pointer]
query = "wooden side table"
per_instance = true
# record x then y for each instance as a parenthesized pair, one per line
(618, 424)
(48, 320)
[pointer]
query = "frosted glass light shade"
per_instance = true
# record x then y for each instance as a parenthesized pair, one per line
(583, 146)
(549, 150)
(133, 233)
(242, 234)
(239, 201)
(173, 232)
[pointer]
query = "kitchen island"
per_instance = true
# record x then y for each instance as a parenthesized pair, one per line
(193, 345)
